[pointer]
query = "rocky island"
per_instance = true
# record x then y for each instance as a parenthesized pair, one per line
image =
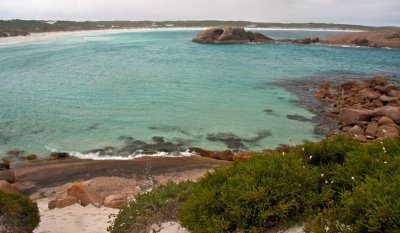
(230, 35)
(386, 38)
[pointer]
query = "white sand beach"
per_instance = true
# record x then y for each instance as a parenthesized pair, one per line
(43, 36)
(75, 218)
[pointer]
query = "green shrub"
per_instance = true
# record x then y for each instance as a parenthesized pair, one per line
(336, 185)
(17, 213)
(155, 207)
(372, 206)
(329, 151)
(253, 196)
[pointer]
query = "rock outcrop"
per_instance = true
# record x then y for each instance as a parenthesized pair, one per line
(59, 155)
(366, 110)
(238, 35)
(378, 38)
(7, 187)
(63, 202)
(230, 35)
(227, 155)
(116, 201)
(7, 175)
(113, 192)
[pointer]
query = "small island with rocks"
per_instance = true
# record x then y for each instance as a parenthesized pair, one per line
(386, 38)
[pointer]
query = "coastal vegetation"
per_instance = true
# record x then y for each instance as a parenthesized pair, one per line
(24, 27)
(336, 185)
(18, 214)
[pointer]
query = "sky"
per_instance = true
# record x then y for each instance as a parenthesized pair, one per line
(364, 12)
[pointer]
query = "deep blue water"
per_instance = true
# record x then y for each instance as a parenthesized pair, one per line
(80, 92)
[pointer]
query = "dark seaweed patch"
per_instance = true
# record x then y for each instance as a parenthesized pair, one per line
(231, 140)
(37, 131)
(4, 139)
(94, 126)
(270, 112)
(159, 144)
(168, 129)
(262, 134)
(296, 117)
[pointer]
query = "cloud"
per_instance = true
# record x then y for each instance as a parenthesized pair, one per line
(368, 12)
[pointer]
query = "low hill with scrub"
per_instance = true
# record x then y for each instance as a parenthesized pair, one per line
(25, 27)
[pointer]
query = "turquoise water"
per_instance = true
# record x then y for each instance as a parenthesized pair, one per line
(81, 92)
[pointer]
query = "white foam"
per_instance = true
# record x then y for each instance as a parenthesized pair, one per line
(136, 155)
(305, 29)
(95, 38)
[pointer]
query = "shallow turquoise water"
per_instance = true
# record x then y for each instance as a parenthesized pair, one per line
(81, 92)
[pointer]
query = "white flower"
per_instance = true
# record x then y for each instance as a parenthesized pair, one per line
(302, 149)
(283, 153)
(322, 174)
(310, 156)
(326, 181)
(352, 178)
(385, 162)
(332, 182)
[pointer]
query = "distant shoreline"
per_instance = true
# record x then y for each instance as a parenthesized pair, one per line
(45, 35)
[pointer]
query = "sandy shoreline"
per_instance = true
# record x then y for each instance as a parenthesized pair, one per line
(42, 36)
(44, 181)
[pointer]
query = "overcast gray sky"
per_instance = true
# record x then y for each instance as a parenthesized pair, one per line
(366, 12)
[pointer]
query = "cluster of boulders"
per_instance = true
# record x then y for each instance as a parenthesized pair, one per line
(19, 155)
(7, 178)
(112, 192)
(238, 35)
(230, 35)
(365, 110)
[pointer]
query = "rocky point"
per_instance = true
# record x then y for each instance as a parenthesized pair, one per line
(366, 110)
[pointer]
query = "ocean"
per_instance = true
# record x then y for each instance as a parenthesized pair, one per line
(154, 91)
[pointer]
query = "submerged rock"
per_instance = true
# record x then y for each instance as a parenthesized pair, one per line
(159, 145)
(231, 140)
(296, 117)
